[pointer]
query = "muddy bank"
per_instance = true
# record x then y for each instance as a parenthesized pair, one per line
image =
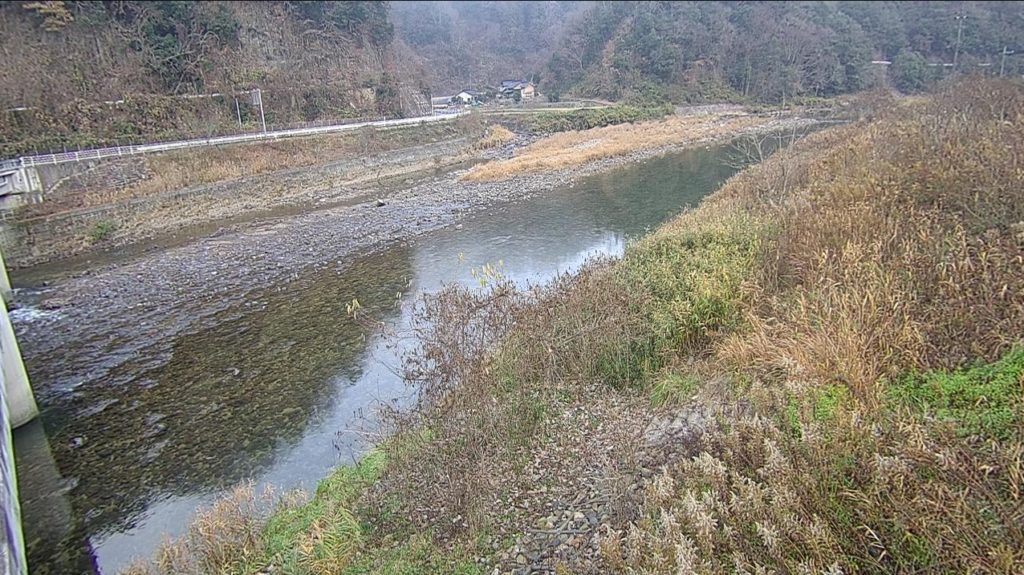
(85, 320)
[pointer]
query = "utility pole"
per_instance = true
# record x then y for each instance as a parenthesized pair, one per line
(959, 34)
(258, 97)
(238, 112)
(1002, 61)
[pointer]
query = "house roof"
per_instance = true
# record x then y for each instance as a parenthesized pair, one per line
(513, 84)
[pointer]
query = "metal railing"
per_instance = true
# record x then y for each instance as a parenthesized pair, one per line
(116, 151)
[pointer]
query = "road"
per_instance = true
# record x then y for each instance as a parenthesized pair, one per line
(98, 153)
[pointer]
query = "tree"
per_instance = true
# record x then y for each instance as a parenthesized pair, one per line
(55, 14)
(910, 71)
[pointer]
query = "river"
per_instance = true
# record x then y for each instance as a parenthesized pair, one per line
(282, 388)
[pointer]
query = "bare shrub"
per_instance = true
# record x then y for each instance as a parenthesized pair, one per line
(490, 367)
(495, 136)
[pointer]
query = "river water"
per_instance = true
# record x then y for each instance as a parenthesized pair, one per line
(280, 389)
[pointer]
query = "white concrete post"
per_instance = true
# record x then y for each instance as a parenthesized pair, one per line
(5, 282)
(21, 404)
(12, 540)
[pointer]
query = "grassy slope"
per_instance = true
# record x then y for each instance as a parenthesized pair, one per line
(848, 316)
(894, 249)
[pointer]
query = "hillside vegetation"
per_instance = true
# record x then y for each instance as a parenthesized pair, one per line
(83, 73)
(776, 51)
(707, 51)
(476, 43)
(818, 370)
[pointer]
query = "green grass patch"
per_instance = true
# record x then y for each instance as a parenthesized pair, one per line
(415, 555)
(328, 536)
(628, 362)
(981, 400)
(102, 231)
(828, 401)
(324, 529)
(694, 278)
(674, 389)
(819, 404)
(791, 419)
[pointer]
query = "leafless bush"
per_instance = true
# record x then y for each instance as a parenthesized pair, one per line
(489, 367)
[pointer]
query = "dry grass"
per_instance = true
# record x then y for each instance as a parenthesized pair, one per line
(495, 136)
(568, 149)
(814, 286)
(892, 261)
(221, 539)
(897, 250)
(849, 313)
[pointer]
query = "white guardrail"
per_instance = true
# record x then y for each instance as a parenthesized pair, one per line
(113, 152)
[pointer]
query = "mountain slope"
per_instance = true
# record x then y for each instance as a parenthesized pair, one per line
(81, 73)
(773, 51)
(477, 44)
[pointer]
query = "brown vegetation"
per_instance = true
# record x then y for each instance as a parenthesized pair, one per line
(495, 136)
(838, 331)
(825, 310)
(175, 171)
(92, 74)
(570, 149)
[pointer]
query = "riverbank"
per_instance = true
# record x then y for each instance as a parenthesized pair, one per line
(130, 363)
(819, 369)
(109, 206)
(131, 301)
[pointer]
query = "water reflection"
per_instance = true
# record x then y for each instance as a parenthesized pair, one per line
(263, 394)
(227, 402)
(557, 232)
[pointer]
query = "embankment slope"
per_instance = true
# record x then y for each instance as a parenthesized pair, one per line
(817, 370)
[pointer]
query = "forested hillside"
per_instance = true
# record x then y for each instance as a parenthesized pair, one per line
(478, 44)
(84, 73)
(708, 51)
(81, 73)
(773, 51)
